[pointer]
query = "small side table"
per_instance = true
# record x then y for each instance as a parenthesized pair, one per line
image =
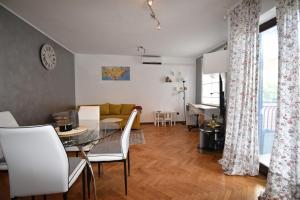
(108, 121)
(211, 138)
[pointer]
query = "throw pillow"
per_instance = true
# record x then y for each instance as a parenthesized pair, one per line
(104, 109)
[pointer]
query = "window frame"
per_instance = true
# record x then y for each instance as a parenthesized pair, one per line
(263, 27)
(213, 105)
(267, 25)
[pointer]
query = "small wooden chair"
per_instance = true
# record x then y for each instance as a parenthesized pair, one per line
(158, 118)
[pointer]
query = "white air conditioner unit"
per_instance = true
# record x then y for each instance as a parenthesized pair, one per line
(151, 60)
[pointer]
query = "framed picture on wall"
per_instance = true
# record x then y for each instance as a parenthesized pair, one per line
(115, 73)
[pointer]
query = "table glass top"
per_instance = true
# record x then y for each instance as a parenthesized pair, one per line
(93, 134)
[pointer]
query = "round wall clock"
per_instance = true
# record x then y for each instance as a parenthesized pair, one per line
(48, 57)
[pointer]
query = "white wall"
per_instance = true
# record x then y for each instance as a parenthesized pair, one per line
(146, 87)
(267, 5)
(268, 11)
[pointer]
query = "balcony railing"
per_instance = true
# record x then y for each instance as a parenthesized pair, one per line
(268, 126)
(269, 112)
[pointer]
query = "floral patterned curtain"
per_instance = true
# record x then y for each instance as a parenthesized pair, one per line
(240, 155)
(284, 171)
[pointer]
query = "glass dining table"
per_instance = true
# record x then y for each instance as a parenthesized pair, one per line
(83, 139)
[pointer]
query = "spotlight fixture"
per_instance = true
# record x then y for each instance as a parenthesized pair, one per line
(158, 26)
(150, 2)
(153, 15)
(141, 50)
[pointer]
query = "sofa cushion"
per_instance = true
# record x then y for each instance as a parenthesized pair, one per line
(104, 109)
(114, 109)
(126, 109)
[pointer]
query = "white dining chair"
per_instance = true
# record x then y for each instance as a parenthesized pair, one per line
(37, 162)
(6, 120)
(89, 113)
(89, 116)
(117, 151)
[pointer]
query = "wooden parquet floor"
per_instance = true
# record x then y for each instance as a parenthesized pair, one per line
(168, 166)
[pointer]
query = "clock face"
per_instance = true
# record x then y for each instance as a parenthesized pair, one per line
(48, 57)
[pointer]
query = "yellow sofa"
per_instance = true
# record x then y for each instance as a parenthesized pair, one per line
(122, 111)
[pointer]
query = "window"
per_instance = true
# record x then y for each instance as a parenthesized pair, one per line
(211, 88)
(268, 81)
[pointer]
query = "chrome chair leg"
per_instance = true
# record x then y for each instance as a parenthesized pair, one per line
(128, 163)
(65, 196)
(125, 175)
(83, 183)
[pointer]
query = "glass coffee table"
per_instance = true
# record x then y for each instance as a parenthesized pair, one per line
(111, 124)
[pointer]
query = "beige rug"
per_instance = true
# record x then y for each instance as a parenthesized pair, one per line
(136, 137)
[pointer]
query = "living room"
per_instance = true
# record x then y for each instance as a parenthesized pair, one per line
(149, 99)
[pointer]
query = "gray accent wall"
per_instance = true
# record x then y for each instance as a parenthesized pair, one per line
(198, 79)
(27, 89)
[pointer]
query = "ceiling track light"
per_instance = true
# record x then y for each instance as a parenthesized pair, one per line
(153, 15)
(158, 26)
(141, 50)
(150, 2)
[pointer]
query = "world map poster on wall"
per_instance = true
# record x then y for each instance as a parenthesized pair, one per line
(116, 73)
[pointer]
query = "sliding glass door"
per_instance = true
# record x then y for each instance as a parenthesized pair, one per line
(268, 79)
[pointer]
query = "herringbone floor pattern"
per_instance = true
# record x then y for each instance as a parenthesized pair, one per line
(168, 166)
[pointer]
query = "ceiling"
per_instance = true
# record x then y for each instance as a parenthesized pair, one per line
(188, 27)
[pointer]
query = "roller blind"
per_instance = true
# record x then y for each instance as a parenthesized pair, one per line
(216, 62)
